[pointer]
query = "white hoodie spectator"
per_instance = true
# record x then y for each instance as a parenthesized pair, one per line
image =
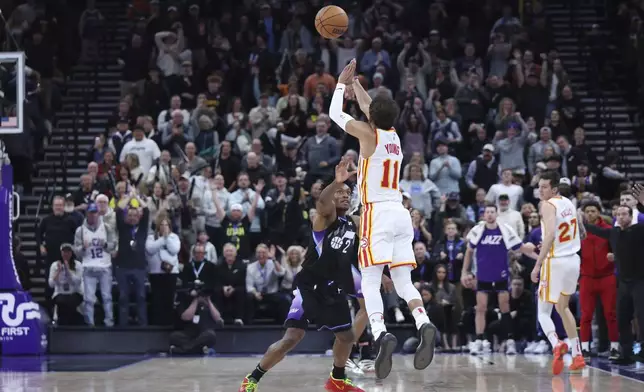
(505, 187)
(161, 249)
(146, 149)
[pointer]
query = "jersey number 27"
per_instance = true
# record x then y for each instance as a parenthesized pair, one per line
(386, 174)
(564, 231)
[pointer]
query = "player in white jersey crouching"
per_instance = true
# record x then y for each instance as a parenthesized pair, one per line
(558, 266)
(386, 231)
(93, 243)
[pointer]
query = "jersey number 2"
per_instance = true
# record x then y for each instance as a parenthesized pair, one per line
(387, 175)
(564, 231)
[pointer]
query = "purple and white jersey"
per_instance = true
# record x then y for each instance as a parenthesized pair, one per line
(492, 251)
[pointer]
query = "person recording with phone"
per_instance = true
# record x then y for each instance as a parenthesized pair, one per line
(65, 277)
(198, 316)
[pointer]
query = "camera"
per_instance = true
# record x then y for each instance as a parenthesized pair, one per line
(200, 288)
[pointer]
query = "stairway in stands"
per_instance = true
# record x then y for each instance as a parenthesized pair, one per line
(616, 114)
(92, 96)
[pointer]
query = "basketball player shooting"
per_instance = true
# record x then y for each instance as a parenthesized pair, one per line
(386, 229)
(329, 273)
(559, 267)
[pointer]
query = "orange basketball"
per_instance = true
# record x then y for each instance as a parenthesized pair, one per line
(331, 21)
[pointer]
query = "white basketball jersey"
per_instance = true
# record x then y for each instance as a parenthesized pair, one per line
(567, 241)
(96, 255)
(379, 175)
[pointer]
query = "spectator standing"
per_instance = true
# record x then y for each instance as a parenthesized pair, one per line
(283, 212)
(193, 162)
(483, 172)
(189, 208)
(161, 170)
(262, 117)
(90, 30)
(262, 284)
(318, 77)
(172, 52)
(176, 133)
(445, 170)
(230, 290)
(134, 59)
(535, 154)
(165, 117)
(510, 216)
(511, 145)
(506, 187)
(65, 277)
(54, 230)
(571, 157)
(228, 165)
(252, 205)
(450, 251)
(106, 213)
(162, 250)
(94, 243)
(145, 149)
(157, 204)
(425, 195)
(130, 262)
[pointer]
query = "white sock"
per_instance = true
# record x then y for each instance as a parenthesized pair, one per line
(614, 346)
(576, 349)
(553, 338)
(378, 327)
(420, 315)
(585, 346)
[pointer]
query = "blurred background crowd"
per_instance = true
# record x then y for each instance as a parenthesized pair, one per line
(197, 193)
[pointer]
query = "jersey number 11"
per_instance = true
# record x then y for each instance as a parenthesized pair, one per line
(386, 174)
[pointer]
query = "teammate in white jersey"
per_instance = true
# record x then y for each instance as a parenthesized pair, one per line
(559, 265)
(386, 230)
(93, 243)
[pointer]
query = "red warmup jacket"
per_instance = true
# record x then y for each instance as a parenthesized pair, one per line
(594, 249)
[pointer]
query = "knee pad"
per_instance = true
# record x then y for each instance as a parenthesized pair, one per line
(401, 277)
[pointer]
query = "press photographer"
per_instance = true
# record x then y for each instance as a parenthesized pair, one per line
(198, 315)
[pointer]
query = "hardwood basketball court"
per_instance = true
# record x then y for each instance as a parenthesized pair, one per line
(308, 373)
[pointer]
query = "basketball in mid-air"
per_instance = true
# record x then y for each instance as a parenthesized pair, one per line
(331, 22)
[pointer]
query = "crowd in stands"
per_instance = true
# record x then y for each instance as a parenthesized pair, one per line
(206, 179)
(626, 26)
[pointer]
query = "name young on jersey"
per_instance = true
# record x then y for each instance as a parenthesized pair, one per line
(392, 148)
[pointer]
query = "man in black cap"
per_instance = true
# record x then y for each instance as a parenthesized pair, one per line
(483, 172)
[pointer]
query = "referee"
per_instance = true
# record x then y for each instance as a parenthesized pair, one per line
(627, 242)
